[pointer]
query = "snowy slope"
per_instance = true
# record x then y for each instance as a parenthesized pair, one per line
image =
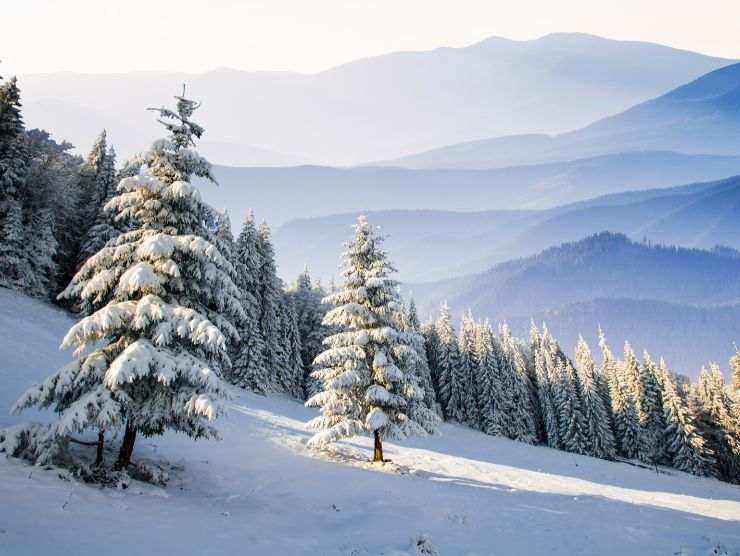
(259, 491)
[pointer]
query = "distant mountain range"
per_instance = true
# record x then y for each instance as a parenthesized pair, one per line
(677, 302)
(702, 117)
(431, 245)
(376, 108)
(283, 194)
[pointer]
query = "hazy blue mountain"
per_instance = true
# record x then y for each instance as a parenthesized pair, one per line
(282, 194)
(701, 117)
(680, 303)
(432, 245)
(382, 107)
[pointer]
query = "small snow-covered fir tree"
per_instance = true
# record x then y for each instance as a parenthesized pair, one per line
(545, 353)
(448, 362)
(570, 416)
(292, 381)
(684, 446)
(735, 370)
(40, 248)
(513, 364)
(626, 416)
(489, 384)
(466, 408)
(310, 313)
(650, 411)
(160, 297)
(598, 428)
(365, 370)
(248, 368)
(412, 327)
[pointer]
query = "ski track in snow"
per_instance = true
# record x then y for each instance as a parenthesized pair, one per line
(260, 491)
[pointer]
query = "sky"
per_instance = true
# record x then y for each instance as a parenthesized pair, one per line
(312, 35)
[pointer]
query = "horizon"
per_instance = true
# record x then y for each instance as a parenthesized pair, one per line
(289, 36)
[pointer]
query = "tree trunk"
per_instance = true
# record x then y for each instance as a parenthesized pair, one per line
(378, 451)
(127, 447)
(101, 445)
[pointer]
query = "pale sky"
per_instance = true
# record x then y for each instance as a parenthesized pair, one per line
(311, 35)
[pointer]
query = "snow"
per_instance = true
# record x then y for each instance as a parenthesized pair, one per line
(260, 490)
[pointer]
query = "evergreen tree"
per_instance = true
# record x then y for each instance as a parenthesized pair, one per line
(598, 428)
(684, 445)
(292, 377)
(626, 416)
(545, 357)
(160, 296)
(14, 271)
(40, 248)
(650, 411)
(310, 313)
(570, 417)
(103, 227)
(488, 380)
(735, 369)
(431, 345)
(465, 410)
(513, 364)
(270, 297)
(448, 363)
(368, 385)
(412, 327)
(249, 369)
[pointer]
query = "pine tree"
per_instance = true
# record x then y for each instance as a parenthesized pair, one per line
(488, 380)
(735, 369)
(545, 357)
(160, 296)
(650, 411)
(570, 416)
(626, 417)
(448, 362)
(465, 410)
(310, 313)
(412, 327)
(684, 446)
(368, 386)
(269, 297)
(103, 227)
(598, 428)
(513, 364)
(249, 369)
(710, 404)
(292, 382)
(14, 271)
(431, 345)
(40, 248)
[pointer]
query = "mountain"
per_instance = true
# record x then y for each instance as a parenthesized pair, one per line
(433, 245)
(282, 194)
(382, 107)
(668, 300)
(700, 117)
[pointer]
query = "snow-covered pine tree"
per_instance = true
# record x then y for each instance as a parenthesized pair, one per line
(248, 368)
(161, 296)
(488, 380)
(626, 416)
(465, 410)
(513, 363)
(270, 299)
(684, 446)
(40, 248)
(448, 362)
(292, 382)
(431, 345)
(570, 417)
(412, 327)
(735, 370)
(711, 408)
(310, 313)
(368, 387)
(14, 272)
(103, 227)
(545, 355)
(650, 411)
(598, 427)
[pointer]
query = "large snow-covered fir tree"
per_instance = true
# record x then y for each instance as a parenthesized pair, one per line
(366, 374)
(160, 296)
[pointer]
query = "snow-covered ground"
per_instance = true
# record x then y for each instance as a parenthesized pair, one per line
(259, 491)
